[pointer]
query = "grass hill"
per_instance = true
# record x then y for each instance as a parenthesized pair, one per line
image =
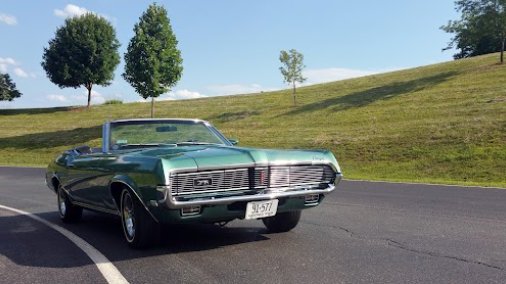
(443, 123)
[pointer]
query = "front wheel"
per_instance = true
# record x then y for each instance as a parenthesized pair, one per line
(68, 212)
(282, 222)
(139, 229)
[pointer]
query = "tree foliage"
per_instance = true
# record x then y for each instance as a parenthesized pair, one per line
(292, 69)
(8, 91)
(153, 63)
(481, 28)
(84, 52)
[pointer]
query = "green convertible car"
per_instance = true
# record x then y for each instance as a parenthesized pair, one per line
(174, 171)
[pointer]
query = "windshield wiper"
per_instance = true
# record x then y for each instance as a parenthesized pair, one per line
(148, 145)
(196, 143)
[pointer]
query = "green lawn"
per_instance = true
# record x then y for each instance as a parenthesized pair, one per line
(443, 123)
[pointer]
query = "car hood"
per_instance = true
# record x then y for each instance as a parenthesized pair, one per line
(204, 157)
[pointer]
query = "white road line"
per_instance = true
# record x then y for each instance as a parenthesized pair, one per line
(420, 183)
(108, 270)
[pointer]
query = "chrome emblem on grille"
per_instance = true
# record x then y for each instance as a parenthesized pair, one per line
(202, 182)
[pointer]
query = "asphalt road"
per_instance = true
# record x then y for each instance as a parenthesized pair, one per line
(363, 233)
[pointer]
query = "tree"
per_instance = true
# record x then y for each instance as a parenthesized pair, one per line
(84, 52)
(153, 63)
(8, 90)
(292, 69)
(481, 29)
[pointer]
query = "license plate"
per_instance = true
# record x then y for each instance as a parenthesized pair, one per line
(261, 209)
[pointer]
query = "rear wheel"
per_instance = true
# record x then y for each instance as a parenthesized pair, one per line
(139, 229)
(68, 212)
(282, 222)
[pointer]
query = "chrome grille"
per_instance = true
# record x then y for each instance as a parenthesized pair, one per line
(261, 178)
(287, 176)
(239, 179)
(217, 181)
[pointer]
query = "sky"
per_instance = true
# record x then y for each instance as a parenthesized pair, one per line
(230, 46)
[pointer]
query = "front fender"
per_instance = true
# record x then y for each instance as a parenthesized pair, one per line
(140, 193)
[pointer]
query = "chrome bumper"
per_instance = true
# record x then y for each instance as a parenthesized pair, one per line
(268, 194)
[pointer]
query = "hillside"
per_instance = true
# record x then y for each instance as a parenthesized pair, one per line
(442, 123)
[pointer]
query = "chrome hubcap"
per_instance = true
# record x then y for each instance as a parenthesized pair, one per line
(61, 201)
(128, 220)
(130, 226)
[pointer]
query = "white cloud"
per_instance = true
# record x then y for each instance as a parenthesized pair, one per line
(235, 89)
(161, 99)
(8, 61)
(5, 63)
(57, 98)
(185, 94)
(96, 97)
(71, 10)
(177, 95)
(79, 99)
(20, 72)
(8, 19)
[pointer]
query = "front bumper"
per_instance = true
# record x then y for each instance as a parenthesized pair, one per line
(173, 203)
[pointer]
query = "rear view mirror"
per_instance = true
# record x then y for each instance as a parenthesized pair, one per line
(168, 128)
(233, 141)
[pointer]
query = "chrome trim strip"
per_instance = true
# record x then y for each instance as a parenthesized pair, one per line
(97, 208)
(175, 204)
(245, 169)
(106, 137)
(160, 119)
(249, 165)
(213, 191)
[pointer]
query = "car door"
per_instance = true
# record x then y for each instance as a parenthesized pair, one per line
(89, 178)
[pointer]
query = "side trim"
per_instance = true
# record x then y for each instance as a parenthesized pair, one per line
(96, 208)
(138, 197)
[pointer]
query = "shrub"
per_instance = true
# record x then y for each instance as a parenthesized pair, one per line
(113, 102)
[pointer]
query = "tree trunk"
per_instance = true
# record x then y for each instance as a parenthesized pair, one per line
(502, 50)
(89, 86)
(152, 107)
(294, 95)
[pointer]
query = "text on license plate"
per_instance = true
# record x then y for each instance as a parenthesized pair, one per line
(261, 209)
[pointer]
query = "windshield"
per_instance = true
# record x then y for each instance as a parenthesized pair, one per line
(133, 134)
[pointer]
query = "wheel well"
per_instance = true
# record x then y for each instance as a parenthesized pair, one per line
(116, 188)
(56, 183)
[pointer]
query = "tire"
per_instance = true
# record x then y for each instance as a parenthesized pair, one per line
(282, 222)
(139, 229)
(69, 213)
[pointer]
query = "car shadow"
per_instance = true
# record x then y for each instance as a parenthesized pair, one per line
(43, 140)
(232, 116)
(104, 232)
(366, 97)
(28, 111)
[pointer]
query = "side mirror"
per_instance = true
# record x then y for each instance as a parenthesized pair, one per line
(233, 141)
